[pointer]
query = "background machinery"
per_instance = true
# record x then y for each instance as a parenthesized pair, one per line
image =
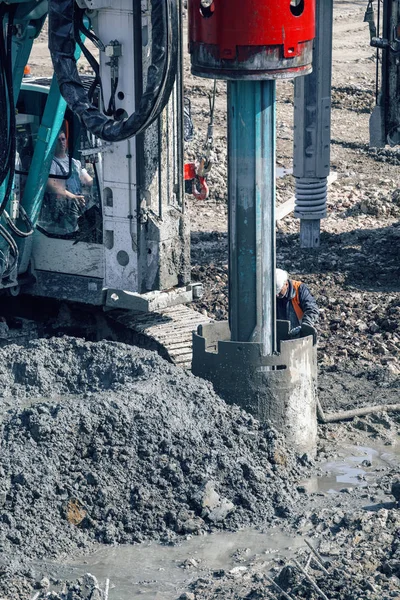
(312, 114)
(383, 18)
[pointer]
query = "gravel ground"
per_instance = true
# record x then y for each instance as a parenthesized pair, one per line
(354, 275)
(355, 568)
(78, 417)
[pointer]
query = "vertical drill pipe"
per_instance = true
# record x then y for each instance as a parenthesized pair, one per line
(312, 119)
(251, 182)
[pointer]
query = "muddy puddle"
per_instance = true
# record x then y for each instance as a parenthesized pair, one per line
(353, 466)
(154, 572)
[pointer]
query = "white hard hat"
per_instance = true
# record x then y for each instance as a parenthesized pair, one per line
(281, 279)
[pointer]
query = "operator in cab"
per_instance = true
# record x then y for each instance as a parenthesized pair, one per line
(294, 303)
(65, 200)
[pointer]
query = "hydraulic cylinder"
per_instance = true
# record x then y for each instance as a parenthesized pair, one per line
(312, 132)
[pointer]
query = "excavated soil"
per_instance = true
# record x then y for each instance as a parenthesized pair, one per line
(106, 443)
(111, 444)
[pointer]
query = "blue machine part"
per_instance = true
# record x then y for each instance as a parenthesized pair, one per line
(251, 156)
(27, 19)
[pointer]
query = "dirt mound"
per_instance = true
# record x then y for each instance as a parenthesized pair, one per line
(145, 451)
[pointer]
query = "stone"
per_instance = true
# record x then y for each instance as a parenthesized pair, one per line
(219, 513)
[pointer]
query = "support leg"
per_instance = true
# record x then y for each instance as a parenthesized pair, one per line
(312, 118)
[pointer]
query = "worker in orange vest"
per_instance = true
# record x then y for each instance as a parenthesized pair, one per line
(294, 303)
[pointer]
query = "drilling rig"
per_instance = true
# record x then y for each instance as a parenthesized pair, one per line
(251, 359)
(126, 248)
(384, 25)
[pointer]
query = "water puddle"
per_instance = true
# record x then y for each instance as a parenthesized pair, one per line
(354, 466)
(150, 571)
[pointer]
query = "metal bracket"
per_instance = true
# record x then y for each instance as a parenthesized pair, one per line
(95, 4)
(103, 149)
(151, 301)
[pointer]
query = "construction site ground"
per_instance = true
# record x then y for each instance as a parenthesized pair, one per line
(123, 476)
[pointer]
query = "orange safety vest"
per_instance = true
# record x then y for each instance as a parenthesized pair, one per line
(296, 301)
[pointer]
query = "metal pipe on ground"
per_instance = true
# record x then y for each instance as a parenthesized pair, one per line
(346, 415)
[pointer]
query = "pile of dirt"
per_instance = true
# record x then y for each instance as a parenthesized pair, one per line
(112, 444)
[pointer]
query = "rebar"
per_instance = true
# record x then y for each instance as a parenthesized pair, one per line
(280, 590)
(310, 580)
(320, 561)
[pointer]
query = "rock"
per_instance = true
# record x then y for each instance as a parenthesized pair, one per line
(219, 513)
(395, 490)
(44, 583)
(373, 327)
(238, 570)
(192, 525)
(210, 499)
(190, 563)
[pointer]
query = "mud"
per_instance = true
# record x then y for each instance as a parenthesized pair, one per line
(152, 571)
(111, 444)
(123, 445)
(353, 569)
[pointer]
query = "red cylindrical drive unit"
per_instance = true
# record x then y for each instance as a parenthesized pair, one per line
(251, 39)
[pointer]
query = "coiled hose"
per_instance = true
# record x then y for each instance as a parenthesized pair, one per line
(160, 76)
(7, 107)
(7, 132)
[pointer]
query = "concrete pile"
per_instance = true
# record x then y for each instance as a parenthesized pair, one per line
(109, 443)
(353, 278)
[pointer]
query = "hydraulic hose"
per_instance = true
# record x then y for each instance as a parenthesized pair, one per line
(160, 76)
(7, 107)
(14, 251)
(80, 27)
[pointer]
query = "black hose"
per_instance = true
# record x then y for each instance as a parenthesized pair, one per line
(160, 76)
(14, 251)
(4, 131)
(7, 107)
(79, 26)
